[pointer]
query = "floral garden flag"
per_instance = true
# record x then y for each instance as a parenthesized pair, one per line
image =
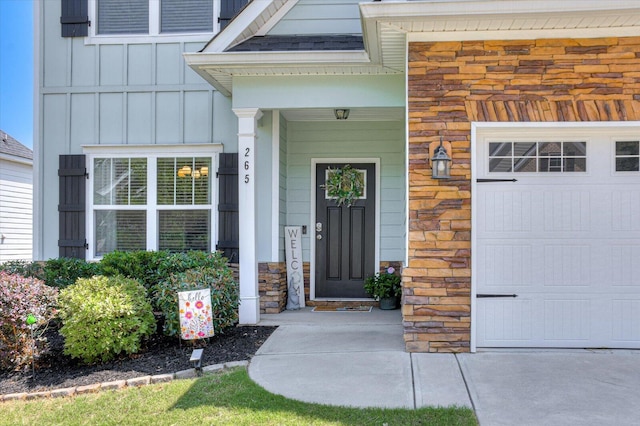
(195, 314)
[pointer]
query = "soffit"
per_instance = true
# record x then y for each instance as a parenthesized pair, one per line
(388, 25)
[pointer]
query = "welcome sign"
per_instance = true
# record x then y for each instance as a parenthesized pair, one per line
(295, 273)
(196, 321)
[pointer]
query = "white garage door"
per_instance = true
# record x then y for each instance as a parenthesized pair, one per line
(564, 239)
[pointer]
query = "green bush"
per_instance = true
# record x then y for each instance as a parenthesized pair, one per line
(19, 298)
(24, 268)
(140, 265)
(225, 296)
(103, 317)
(64, 271)
(181, 262)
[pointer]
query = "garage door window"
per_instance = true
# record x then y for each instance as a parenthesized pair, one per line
(537, 157)
(627, 156)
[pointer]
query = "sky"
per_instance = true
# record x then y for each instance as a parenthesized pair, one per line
(16, 69)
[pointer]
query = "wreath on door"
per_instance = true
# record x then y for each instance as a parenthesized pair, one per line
(344, 185)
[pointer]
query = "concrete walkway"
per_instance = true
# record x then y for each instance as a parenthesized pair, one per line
(358, 359)
(353, 359)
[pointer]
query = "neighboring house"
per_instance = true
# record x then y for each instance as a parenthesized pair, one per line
(16, 200)
(531, 242)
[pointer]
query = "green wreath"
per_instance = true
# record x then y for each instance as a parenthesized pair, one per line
(344, 185)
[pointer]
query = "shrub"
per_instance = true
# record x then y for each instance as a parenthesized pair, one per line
(382, 286)
(181, 262)
(64, 271)
(225, 296)
(176, 263)
(103, 317)
(140, 265)
(24, 268)
(19, 297)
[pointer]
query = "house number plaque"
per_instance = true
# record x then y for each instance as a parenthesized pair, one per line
(247, 164)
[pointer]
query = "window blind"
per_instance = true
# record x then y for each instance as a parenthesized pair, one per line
(123, 16)
(184, 230)
(183, 16)
(122, 230)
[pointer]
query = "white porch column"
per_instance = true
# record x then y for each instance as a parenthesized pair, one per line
(249, 297)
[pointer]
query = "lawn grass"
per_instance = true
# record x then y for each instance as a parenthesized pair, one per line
(228, 398)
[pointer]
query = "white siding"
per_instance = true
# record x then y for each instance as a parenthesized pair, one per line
(321, 17)
(307, 140)
(16, 217)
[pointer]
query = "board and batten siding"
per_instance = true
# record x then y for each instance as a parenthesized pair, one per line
(282, 195)
(16, 211)
(364, 139)
(132, 93)
(313, 17)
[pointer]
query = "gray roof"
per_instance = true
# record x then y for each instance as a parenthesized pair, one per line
(10, 146)
(287, 43)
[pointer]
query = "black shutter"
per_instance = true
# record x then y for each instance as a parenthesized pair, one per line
(228, 218)
(75, 18)
(229, 9)
(72, 177)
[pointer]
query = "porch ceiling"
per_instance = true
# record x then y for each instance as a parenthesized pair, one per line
(355, 114)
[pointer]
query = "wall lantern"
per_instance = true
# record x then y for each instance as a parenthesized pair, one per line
(341, 114)
(441, 160)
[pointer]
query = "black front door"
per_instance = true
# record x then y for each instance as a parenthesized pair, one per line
(344, 237)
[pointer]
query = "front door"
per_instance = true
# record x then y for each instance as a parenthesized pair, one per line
(344, 237)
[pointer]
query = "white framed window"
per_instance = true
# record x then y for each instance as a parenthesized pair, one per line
(117, 21)
(627, 156)
(537, 157)
(159, 198)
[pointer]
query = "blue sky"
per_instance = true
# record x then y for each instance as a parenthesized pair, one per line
(16, 69)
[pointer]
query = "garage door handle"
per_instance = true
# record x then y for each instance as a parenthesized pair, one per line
(495, 180)
(481, 296)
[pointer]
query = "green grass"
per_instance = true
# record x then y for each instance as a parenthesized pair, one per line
(229, 398)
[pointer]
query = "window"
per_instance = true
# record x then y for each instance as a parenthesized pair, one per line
(184, 182)
(119, 189)
(121, 17)
(627, 156)
(152, 201)
(537, 157)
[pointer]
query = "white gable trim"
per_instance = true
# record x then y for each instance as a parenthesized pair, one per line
(253, 17)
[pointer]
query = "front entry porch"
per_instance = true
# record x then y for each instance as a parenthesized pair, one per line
(272, 288)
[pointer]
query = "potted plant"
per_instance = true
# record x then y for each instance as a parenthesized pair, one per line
(384, 287)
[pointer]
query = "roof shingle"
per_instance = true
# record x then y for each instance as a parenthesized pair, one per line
(10, 146)
(288, 43)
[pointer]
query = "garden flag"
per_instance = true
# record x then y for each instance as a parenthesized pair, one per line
(195, 314)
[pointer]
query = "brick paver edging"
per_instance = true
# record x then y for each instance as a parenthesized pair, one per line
(119, 384)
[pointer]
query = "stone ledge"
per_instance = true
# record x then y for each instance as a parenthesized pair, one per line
(119, 384)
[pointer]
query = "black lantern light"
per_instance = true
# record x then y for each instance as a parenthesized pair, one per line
(440, 163)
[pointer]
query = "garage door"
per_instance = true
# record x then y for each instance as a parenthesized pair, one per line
(557, 228)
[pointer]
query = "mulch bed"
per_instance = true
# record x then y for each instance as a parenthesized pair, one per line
(160, 355)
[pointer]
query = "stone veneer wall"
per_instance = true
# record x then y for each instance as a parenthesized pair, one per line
(451, 85)
(272, 287)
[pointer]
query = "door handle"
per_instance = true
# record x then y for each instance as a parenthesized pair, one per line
(318, 236)
(318, 226)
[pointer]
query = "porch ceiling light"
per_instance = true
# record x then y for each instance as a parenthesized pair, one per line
(441, 163)
(341, 113)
